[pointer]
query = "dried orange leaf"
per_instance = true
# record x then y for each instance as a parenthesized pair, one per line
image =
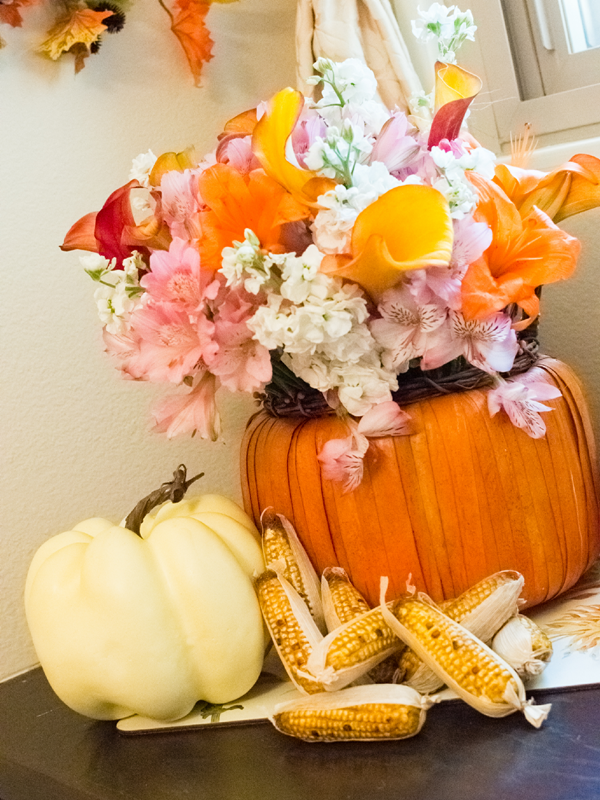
(80, 27)
(189, 26)
(10, 13)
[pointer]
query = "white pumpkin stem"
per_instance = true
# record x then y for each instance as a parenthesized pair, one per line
(171, 490)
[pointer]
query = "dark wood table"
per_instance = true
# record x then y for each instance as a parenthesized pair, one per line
(48, 752)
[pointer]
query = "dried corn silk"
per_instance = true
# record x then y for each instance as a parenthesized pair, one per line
(360, 713)
(284, 553)
(477, 674)
(482, 609)
(523, 645)
(352, 650)
(581, 627)
(292, 628)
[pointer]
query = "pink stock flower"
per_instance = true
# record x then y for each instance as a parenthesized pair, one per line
(489, 344)
(171, 343)
(176, 277)
(241, 363)
(342, 460)
(194, 412)
(520, 401)
(181, 203)
(406, 329)
(394, 147)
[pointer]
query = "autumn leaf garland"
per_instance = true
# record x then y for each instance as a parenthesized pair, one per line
(79, 26)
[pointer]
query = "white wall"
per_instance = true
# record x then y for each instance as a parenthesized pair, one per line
(75, 437)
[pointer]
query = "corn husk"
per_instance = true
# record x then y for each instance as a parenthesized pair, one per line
(524, 646)
(365, 721)
(331, 611)
(513, 697)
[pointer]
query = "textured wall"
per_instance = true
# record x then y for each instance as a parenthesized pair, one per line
(75, 437)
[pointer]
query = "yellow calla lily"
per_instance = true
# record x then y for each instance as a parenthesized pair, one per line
(455, 89)
(407, 228)
(170, 162)
(269, 141)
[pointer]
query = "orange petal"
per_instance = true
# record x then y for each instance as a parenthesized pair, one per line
(81, 235)
(584, 192)
(243, 123)
(269, 142)
(407, 228)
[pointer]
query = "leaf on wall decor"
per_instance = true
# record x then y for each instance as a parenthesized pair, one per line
(81, 27)
(189, 26)
(10, 11)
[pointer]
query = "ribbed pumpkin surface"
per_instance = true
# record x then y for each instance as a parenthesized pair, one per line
(463, 497)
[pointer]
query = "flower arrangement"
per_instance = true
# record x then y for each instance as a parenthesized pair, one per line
(79, 26)
(336, 246)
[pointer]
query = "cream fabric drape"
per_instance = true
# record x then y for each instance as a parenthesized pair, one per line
(363, 29)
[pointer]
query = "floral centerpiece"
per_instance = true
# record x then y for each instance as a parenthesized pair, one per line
(332, 254)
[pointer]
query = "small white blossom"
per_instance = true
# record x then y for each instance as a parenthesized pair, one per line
(349, 81)
(245, 263)
(454, 184)
(141, 168)
(118, 292)
(450, 27)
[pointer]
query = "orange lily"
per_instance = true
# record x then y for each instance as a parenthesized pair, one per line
(236, 202)
(242, 124)
(407, 228)
(269, 142)
(524, 254)
(569, 189)
(455, 90)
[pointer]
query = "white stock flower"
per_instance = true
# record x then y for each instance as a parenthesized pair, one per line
(245, 264)
(141, 168)
(118, 293)
(449, 26)
(349, 81)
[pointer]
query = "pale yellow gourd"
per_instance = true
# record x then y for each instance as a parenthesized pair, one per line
(149, 624)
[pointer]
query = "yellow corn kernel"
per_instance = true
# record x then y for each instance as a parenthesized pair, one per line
(482, 609)
(294, 635)
(363, 713)
(459, 659)
(283, 552)
(342, 601)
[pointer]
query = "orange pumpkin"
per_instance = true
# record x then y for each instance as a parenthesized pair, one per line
(463, 497)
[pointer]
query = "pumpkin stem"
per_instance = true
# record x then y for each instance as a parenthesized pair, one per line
(171, 490)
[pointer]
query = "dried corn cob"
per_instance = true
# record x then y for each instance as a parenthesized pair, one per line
(341, 600)
(361, 713)
(523, 645)
(283, 552)
(352, 650)
(461, 661)
(482, 610)
(292, 628)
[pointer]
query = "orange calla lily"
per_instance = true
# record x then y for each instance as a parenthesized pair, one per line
(407, 228)
(455, 90)
(170, 162)
(524, 254)
(237, 202)
(269, 142)
(569, 189)
(243, 123)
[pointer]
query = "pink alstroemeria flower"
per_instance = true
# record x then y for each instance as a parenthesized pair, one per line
(171, 343)
(237, 151)
(520, 400)
(194, 412)
(241, 363)
(342, 459)
(176, 277)
(394, 147)
(406, 330)
(489, 344)
(181, 203)
(471, 240)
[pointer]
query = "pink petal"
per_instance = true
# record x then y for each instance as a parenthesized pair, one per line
(385, 419)
(195, 412)
(342, 460)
